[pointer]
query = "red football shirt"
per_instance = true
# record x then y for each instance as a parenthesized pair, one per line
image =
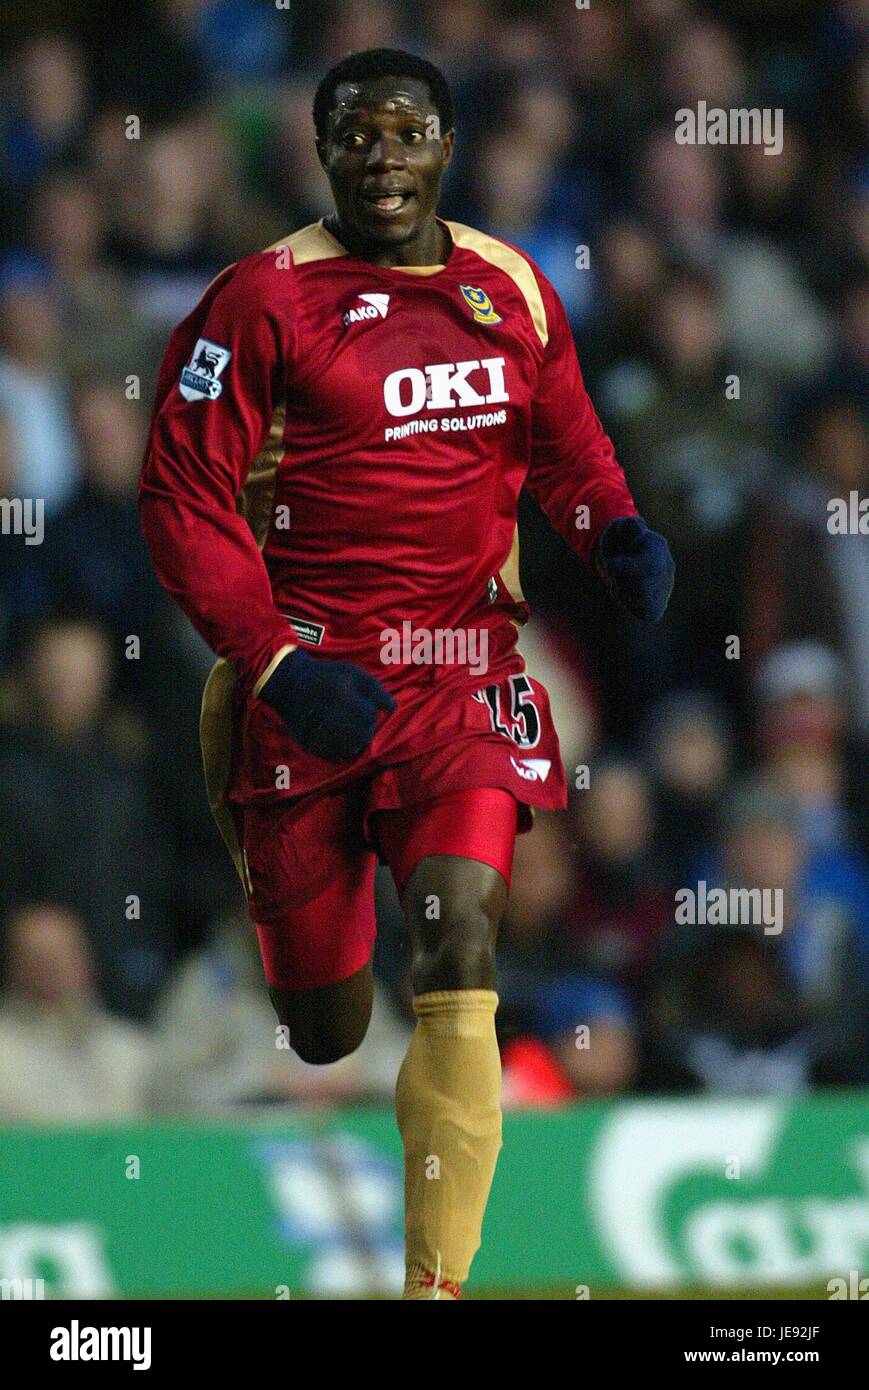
(337, 453)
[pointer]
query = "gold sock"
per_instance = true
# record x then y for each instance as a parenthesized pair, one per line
(448, 1106)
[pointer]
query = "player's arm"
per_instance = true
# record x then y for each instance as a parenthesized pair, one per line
(213, 414)
(197, 459)
(580, 486)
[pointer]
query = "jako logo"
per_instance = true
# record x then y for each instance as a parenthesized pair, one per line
(375, 306)
(76, 1343)
(444, 386)
(533, 769)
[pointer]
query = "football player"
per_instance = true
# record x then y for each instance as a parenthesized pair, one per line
(342, 428)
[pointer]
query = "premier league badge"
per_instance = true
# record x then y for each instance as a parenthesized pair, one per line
(199, 380)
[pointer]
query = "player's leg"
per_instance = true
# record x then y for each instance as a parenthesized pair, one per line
(451, 860)
(452, 907)
(311, 897)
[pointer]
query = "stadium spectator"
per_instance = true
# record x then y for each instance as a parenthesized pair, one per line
(286, 162)
(237, 41)
(697, 455)
(453, 36)
(94, 557)
(33, 391)
(688, 753)
(622, 903)
(22, 588)
(769, 1000)
(218, 1048)
(806, 743)
(618, 355)
(48, 109)
(75, 812)
(527, 196)
(152, 67)
(166, 238)
(807, 571)
(552, 996)
(725, 1019)
(821, 928)
(70, 229)
(62, 1056)
(94, 561)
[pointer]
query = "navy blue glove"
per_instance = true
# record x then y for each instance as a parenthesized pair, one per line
(636, 566)
(329, 707)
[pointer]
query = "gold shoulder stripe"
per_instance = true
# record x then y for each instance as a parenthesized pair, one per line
(256, 499)
(510, 571)
(215, 739)
(514, 265)
(419, 269)
(312, 243)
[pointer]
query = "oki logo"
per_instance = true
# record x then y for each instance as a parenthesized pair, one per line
(444, 386)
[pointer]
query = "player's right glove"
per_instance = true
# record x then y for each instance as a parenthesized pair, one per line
(329, 707)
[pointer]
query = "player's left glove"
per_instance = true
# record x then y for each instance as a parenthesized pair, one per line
(636, 566)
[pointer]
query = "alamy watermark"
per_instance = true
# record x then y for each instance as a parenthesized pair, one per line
(848, 516)
(731, 907)
(852, 1287)
(440, 646)
(713, 125)
(77, 1343)
(23, 516)
(23, 1290)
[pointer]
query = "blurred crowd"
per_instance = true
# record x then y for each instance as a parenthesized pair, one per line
(720, 302)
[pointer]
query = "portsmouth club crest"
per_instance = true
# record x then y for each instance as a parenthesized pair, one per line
(481, 305)
(199, 379)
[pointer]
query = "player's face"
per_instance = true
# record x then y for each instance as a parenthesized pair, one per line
(385, 159)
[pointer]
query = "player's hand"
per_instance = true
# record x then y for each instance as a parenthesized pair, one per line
(329, 707)
(636, 566)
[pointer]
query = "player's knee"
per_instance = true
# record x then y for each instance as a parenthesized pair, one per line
(323, 1048)
(326, 1044)
(457, 952)
(324, 1039)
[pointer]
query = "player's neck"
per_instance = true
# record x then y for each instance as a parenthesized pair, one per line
(431, 245)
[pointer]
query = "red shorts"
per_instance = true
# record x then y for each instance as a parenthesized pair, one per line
(310, 860)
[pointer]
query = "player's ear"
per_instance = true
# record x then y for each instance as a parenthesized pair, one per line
(322, 151)
(449, 144)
